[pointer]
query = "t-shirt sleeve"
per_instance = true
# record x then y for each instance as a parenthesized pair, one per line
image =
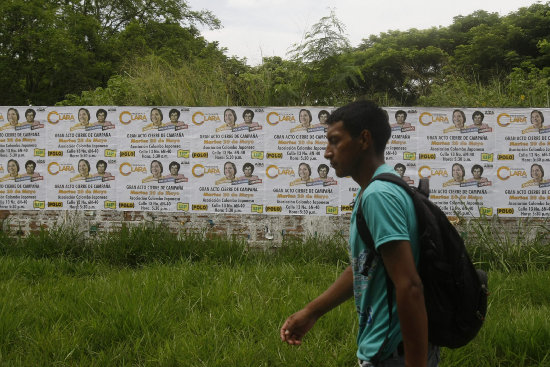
(385, 214)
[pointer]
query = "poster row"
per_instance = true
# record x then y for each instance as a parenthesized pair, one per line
(262, 160)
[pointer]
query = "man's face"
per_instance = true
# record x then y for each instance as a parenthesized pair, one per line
(478, 120)
(174, 117)
(174, 170)
(400, 118)
(29, 168)
(101, 117)
(536, 119)
(248, 118)
(323, 118)
(343, 151)
(229, 118)
(323, 172)
(29, 117)
(101, 168)
(457, 173)
(458, 120)
(477, 173)
(247, 171)
(12, 117)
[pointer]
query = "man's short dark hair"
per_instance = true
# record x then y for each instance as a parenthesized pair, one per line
(400, 112)
(478, 113)
(364, 115)
(477, 166)
(174, 110)
(248, 164)
(248, 111)
(30, 110)
(101, 161)
(322, 165)
(174, 163)
(101, 110)
(31, 162)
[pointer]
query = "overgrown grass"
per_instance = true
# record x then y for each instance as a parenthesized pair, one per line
(143, 296)
(496, 244)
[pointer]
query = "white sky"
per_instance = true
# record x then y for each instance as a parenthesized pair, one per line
(256, 28)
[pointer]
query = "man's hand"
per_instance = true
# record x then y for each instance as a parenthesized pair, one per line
(296, 326)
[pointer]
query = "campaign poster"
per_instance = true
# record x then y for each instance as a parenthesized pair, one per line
(292, 135)
(154, 132)
(301, 188)
(22, 133)
(460, 135)
(22, 185)
(228, 134)
(349, 190)
(81, 132)
(401, 149)
(464, 189)
(81, 184)
(155, 185)
(231, 186)
(522, 136)
(524, 191)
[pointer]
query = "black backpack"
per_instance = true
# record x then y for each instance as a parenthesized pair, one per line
(455, 292)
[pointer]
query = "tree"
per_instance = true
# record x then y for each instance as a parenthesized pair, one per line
(49, 48)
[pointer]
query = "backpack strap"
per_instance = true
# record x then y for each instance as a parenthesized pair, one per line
(366, 237)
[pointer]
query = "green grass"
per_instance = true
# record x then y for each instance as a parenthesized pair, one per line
(67, 299)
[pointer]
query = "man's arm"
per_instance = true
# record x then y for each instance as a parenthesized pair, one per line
(399, 263)
(298, 324)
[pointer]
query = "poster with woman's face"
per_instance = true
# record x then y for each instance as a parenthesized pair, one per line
(156, 185)
(154, 133)
(83, 184)
(22, 184)
(227, 187)
(307, 188)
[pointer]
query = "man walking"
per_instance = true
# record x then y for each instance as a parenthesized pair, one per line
(357, 135)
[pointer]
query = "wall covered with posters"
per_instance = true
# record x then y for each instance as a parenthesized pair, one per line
(265, 160)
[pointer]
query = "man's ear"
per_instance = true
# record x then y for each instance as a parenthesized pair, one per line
(365, 139)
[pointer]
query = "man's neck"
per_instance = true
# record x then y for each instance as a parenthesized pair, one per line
(364, 176)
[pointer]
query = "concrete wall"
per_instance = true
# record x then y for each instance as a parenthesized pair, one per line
(258, 230)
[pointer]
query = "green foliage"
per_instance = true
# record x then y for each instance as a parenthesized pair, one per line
(53, 48)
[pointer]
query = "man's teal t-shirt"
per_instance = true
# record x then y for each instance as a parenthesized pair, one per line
(389, 213)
